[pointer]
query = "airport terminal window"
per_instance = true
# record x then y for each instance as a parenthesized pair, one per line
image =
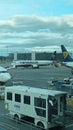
(26, 99)
(40, 102)
(9, 95)
(17, 97)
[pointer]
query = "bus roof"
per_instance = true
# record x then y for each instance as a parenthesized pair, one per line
(34, 90)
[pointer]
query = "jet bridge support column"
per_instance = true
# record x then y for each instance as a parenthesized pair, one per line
(33, 55)
(15, 55)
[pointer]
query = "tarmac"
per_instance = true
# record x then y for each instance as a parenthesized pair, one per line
(39, 77)
(35, 78)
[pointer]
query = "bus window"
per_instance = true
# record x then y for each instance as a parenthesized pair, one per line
(27, 100)
(40, 106)
(17, 97)
(40, 112)
(9, 95)
(62, 103)
(40, 102)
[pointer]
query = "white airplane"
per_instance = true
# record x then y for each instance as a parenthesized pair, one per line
(67, 59)
(4, 75)
(33, 63)
(30, 63)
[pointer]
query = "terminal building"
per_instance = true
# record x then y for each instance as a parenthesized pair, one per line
(31, 56)
(38, 56)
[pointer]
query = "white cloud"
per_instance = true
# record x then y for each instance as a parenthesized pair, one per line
(33, 23)
(37, 32)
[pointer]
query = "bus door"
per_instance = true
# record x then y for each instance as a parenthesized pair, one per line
(52, 107)
(56, 106)
(61, 104)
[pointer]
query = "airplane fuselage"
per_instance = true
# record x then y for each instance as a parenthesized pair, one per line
(32, 63)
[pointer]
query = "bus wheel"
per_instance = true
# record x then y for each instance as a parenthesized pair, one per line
(40, 124)
(16, 117)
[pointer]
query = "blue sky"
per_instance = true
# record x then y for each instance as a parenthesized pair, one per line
(10, 8)
(41, 25)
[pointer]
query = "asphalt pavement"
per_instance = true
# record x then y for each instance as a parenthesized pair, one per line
(39, 77)
(34, 78)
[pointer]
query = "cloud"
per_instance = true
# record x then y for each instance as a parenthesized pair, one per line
(36, 31)
(33, 23)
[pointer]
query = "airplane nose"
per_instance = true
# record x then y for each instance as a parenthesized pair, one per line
(6, 77)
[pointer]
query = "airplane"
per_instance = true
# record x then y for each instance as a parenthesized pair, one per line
(67, 59)
(34, 63)
(4, 75)
(30, 63)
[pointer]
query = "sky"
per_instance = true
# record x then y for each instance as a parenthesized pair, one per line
(35, 25)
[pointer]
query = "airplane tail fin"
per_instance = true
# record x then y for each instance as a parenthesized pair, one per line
(66, 55)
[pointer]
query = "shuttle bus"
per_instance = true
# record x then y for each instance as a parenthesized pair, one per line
(44, 107)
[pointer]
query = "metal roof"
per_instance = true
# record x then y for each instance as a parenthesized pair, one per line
(34, 90)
